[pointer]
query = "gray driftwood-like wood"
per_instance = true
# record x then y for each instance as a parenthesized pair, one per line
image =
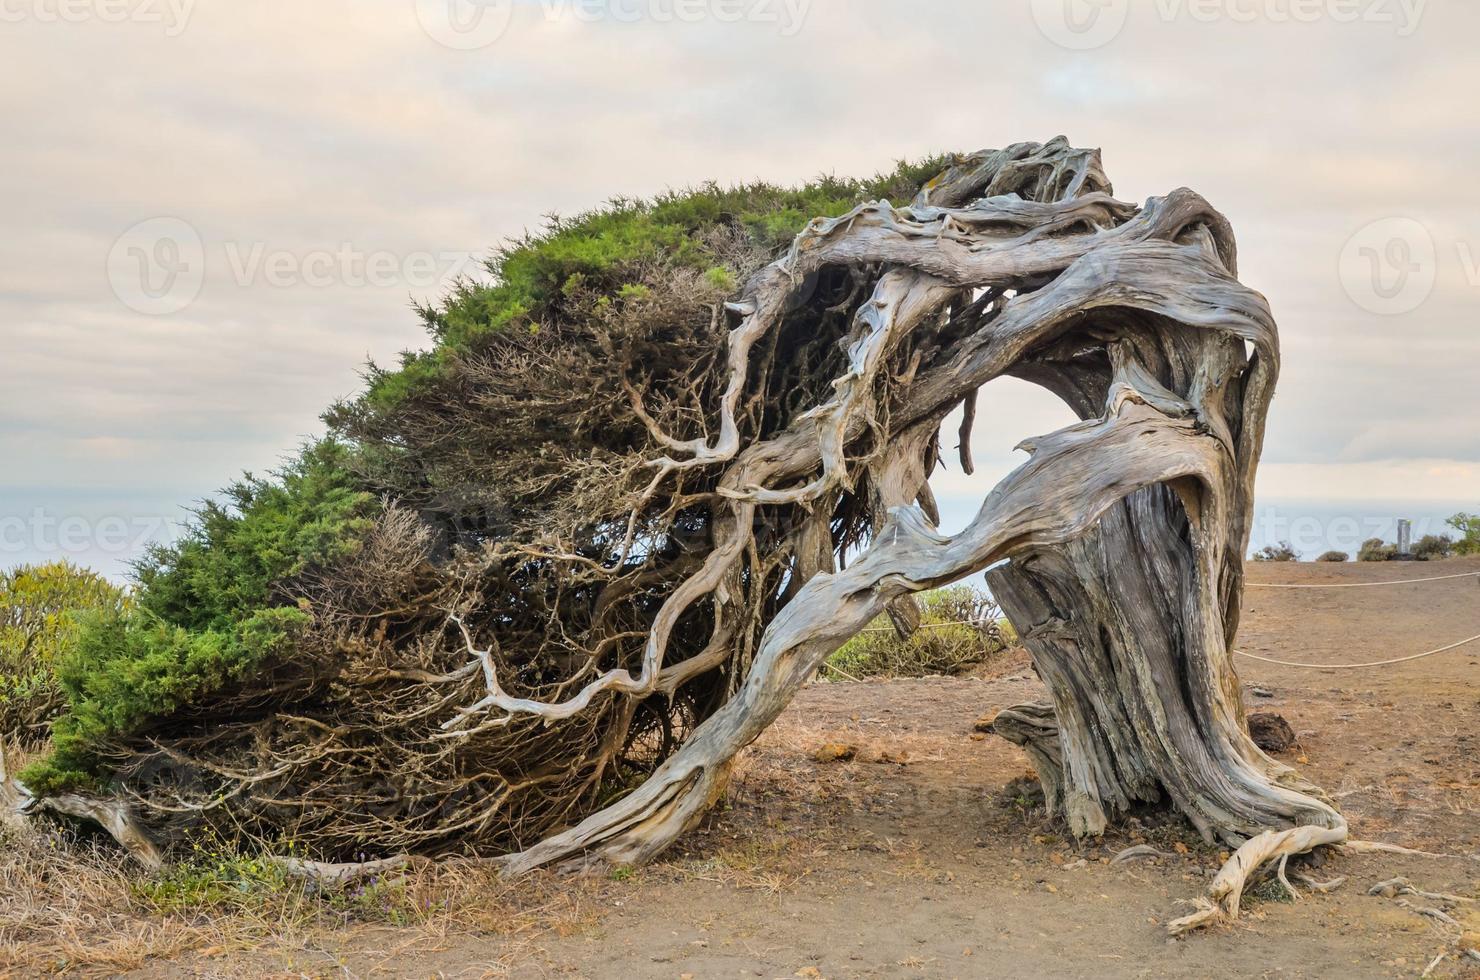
(1116, 549)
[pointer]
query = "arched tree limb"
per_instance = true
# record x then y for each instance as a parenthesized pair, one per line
(1072, 478)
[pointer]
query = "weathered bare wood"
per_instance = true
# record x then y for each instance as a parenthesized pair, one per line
(1124, 533)
(1073, 477)
(963, 435)
(113, 815)
(1116, 548)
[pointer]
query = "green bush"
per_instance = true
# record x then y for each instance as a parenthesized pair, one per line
(265, 532)
(209, 611)
(960, 627)
(1373, 549)
(39, 610)
(1334, 556)
(1277, 552)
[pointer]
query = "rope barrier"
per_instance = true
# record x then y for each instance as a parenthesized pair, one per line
(1359, 585)
(1271, 660)
(1375, 663)
(1241, 653)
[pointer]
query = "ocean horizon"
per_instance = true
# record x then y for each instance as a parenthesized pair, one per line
(1312, 527)
(109, 531)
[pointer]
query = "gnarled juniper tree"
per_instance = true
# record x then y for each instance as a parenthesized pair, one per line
(547, 579)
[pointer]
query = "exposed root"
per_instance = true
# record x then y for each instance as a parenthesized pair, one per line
(14, 800)
(1321, 887)
(1379, 847)
(326, 873)
(1137, 852)
(1394, 887)
(114, 816)
(1438, 915)
(1295, 896)
(1224, 894)
(1227, 889)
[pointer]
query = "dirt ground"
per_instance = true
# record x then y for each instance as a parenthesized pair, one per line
(923, 855)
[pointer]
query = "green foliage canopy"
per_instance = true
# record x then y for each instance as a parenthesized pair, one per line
(225, 601)
(210, 608)
(533, 278)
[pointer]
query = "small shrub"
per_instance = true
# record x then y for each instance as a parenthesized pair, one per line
(1277, 552)
(1433, 546)
(960, 627)
(1334, 556)
(1268, 890)
(218, 884)
(1374, 550)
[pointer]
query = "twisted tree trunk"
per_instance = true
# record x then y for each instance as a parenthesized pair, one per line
(1123, 535)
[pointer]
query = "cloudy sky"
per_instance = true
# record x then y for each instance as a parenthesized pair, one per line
(215, 212)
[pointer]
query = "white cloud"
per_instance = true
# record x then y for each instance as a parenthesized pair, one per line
(303, 126)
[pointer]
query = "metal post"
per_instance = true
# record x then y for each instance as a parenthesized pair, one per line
(1405, 538)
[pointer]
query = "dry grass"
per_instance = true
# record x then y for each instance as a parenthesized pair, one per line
(66, 907)
(71, 906)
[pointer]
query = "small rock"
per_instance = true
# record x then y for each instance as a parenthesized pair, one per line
(1261, 692)
(809, 971)
(835, 752)
(1271, 732)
